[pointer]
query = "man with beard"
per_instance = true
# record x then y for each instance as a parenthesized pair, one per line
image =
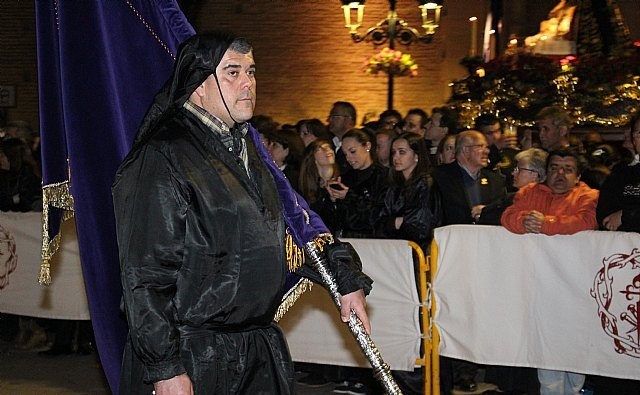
(203, 277)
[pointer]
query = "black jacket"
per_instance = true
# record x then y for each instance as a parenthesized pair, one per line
(452, 197)
(621, 191)
(353, 216)
(411, 202)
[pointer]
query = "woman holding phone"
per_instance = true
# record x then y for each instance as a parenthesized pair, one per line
(357, 195)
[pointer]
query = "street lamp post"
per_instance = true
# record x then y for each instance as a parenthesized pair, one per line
(392, 29)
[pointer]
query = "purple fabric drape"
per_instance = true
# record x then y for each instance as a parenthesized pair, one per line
(303, 228)
(99, 65)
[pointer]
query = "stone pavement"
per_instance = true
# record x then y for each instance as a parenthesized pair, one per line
(28, 373)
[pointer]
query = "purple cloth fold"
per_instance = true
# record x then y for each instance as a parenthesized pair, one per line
(303, 228)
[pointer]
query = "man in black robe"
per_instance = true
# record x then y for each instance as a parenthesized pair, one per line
(201, 235)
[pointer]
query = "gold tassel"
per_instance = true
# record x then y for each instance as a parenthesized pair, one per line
(295, 259)
(291, 297)
(295, 254)
(323, 239)
(55, 195)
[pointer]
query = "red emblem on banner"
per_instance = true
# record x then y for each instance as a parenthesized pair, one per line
(8, 257)
(616, 289)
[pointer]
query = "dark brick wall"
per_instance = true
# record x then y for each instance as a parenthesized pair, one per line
(306, 59)
(18, 58)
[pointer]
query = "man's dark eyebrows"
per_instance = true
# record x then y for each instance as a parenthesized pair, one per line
(231, 66)
(237, 66)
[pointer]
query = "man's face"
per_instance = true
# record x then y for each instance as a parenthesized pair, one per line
(413, 124)
(434, 132)
(236, 75)
(278, 152)
(551, 136)
(339, 121)
(562, 174)
(476, 154)
(383, 147)
(492, 133)
(306, 136)
(388, 123)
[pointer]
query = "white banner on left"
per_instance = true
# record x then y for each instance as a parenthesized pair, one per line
(20, 293)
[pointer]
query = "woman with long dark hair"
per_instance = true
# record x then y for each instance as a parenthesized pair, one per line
(317, 170)
(406, 213)
(358, 193)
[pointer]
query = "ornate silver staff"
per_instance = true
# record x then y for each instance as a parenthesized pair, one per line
(381, 370)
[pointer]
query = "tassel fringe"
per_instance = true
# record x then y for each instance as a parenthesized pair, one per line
(292, 296)
(53, 195)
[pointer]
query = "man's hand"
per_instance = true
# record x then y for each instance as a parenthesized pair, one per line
(178, 385)
(613, 220)
(533, 221)
(355, 301)
(476, 211)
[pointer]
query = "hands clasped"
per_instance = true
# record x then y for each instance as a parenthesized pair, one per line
(533, 221)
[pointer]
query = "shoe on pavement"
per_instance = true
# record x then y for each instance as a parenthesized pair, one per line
(351, 388)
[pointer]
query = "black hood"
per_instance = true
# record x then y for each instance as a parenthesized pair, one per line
(198, 58)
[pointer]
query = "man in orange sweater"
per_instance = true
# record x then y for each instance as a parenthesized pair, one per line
(562, 205)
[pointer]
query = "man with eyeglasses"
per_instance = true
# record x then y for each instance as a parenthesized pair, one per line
(466, 182)
(415, 121)
(389, 121)
(459, 186)
(562, 205)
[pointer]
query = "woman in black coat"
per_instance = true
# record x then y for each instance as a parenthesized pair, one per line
(357, 194)
(406, 213)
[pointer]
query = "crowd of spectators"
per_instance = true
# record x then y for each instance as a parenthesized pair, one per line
(400, 177)
(21, 191)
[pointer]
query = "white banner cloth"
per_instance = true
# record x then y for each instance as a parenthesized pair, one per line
(564, 302)
(316, 334)
(20, 293)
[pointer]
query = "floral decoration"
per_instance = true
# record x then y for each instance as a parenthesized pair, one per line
(392, 62)
(602, 91)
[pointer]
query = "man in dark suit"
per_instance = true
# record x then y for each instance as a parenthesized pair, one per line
(458, 187)
(465, 183)
(342, 118)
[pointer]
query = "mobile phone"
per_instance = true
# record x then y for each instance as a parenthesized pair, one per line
(337, 187)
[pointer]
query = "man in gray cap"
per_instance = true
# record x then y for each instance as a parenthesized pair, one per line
(200, 215)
